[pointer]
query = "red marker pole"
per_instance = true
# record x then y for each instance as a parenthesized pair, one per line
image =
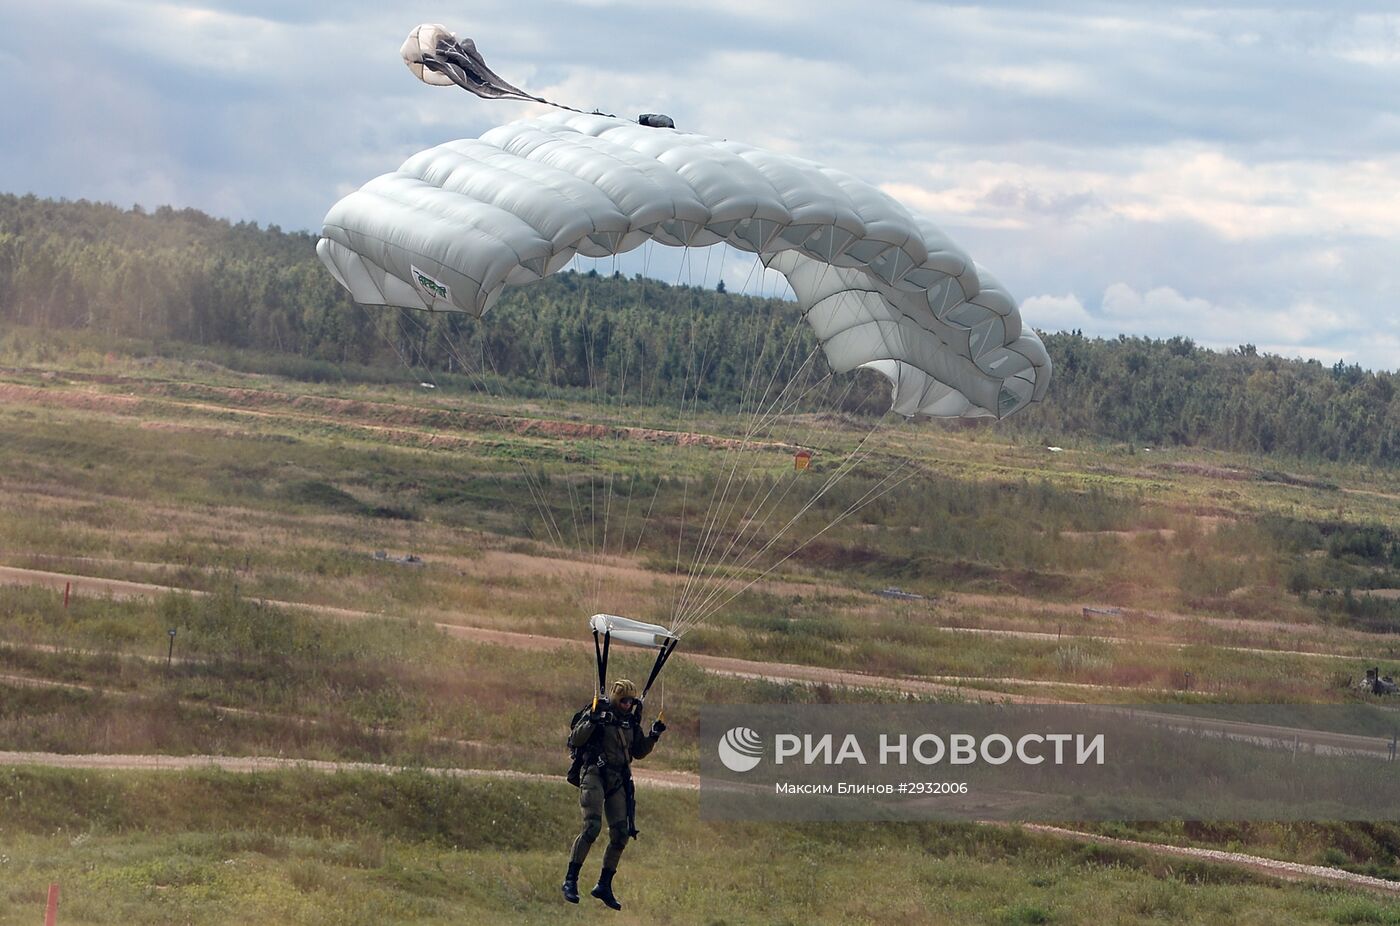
(67, 590)
(51, 914)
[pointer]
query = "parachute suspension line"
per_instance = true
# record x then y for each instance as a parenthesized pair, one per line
(748, 527)
(632, 477)
(741, 543)
(693, 425)
(761, 416)
(870, 496)
(852, 460)
(641, 533)
(708, 606)
(589, 447)
(742, 539)
(641, 404)
(708, 526)
(555, 392)
(569, 487)
(685, 386)
(601, 398)
(607, 514)
(622, 406)
(505, 490)
(695, 371)
(718, 513)
(532, 484)
(848, 465)
(646, 399)
(745, 556)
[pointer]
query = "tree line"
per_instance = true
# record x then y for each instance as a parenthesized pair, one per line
(180, 276)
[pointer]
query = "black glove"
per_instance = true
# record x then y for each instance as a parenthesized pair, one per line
(657, 728)
(602, 715)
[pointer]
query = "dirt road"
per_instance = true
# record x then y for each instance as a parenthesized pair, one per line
(720, 665)
(1287, 871)
(251, 764)
(737, 668)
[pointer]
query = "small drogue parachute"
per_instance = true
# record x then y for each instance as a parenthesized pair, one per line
(882, 288)
(436, 56)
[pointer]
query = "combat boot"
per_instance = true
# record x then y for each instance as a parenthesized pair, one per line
(570, 885)
(603, 889)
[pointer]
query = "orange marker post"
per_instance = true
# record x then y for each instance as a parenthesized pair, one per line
(51, 914)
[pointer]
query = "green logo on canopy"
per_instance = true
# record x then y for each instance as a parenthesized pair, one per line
(430, 286)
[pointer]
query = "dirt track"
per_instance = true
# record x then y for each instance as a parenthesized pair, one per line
(620, 570)
(250, 764)
(738, 668)
(1098, 638)
(396, 424)
(1287, 871)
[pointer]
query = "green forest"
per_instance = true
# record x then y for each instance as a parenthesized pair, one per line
(171, 280)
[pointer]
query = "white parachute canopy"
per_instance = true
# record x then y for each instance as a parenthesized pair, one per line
(882, 289)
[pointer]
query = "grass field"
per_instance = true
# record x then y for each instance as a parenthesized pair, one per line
(264, 501)
(311, 849)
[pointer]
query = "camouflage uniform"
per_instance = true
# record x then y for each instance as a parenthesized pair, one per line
(604, 785)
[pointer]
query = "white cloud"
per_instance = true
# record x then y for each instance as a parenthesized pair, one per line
(1057, 313)
(1301, 329)
(1162, 305)
(1185, 181)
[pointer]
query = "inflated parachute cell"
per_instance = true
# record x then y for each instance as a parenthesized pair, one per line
(883, 289)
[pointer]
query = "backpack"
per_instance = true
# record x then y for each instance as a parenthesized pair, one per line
(578, 756)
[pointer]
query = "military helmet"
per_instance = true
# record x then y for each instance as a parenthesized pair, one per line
(623, 688)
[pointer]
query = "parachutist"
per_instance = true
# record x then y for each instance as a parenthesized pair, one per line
(605, 740)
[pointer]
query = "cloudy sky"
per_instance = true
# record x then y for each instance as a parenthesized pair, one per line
(1227, 173)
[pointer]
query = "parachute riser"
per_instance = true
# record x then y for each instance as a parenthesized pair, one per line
(600, 655)
(667, 649)
(602, 643)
